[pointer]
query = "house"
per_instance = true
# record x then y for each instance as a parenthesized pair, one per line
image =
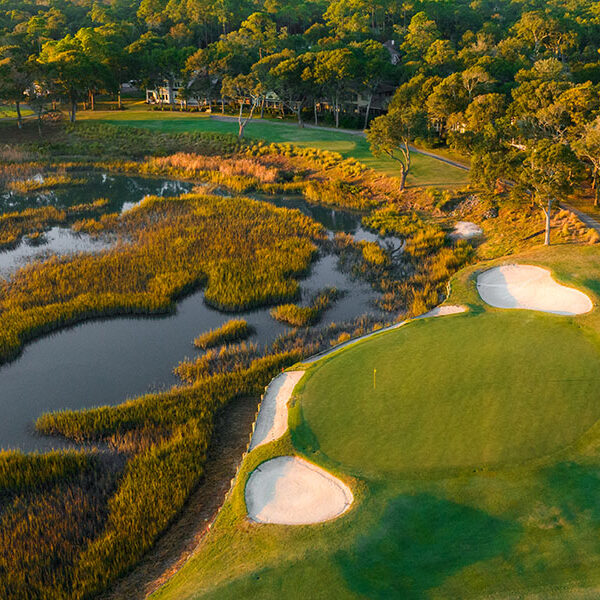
(390, 46)
(168, 93)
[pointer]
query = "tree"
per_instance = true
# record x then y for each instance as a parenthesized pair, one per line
(292, 80)
(447, 97)
(204, 75)
(335, 70)
(483, 112)
(374, 68)
(70, 69)
(422, 33)
(244, 90)
(441, 58)
(587, 147)
(474, 77)
(535, 28)
(16, 76)
(547, 173)
(392, 134)
(349, 17)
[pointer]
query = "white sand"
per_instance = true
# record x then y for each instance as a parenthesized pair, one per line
(288, 490)
(526, 286)
(443, 310)
(291, 491)
(272, 420)
(465, 230)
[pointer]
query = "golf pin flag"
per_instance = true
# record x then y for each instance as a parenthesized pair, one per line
(374, 378)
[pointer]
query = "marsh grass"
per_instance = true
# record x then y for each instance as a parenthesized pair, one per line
(218, 360)
(233, 330)
(162, 472)
(35, 221)
(303, 316)
(339, 193)
(51, 505)
(27, 186)
(245, 251)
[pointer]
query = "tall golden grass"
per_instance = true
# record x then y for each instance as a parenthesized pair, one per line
(246, 252)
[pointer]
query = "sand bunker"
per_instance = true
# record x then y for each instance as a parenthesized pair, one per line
(465, 230)
(291, 491)
(272, 421)
(443, 310)
(526, 286)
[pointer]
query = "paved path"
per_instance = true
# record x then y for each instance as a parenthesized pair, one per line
(583, 217)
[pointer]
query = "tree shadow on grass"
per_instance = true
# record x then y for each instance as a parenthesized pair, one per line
(574, 488)
(592, 284)
(418, 543)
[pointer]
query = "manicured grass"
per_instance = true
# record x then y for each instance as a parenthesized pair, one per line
(464, 391)
(9, 112)
(453, 393)
(424, 170)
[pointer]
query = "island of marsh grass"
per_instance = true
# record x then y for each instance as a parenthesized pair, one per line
(233, 330)
(25, 186)
(34, 221)
(302, 316)
(474, 462)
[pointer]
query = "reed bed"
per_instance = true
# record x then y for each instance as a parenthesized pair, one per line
(40, 184)
(34, 221)
(44, 527)
(339, 193)
(217, 360)
(428, 260)
(158, 478)
(233, 330)
(303, 316)
(246, 252)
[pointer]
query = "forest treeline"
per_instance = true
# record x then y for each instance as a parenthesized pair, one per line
(514, 84)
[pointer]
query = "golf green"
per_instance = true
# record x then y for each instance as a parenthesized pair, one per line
(454, 392)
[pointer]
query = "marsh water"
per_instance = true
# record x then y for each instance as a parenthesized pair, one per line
(107, 361)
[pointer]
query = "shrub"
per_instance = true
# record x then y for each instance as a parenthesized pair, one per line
(338, 193)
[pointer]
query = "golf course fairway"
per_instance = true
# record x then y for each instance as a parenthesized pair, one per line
(473, 456)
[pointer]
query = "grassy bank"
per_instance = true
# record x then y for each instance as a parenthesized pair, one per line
(424, 170)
